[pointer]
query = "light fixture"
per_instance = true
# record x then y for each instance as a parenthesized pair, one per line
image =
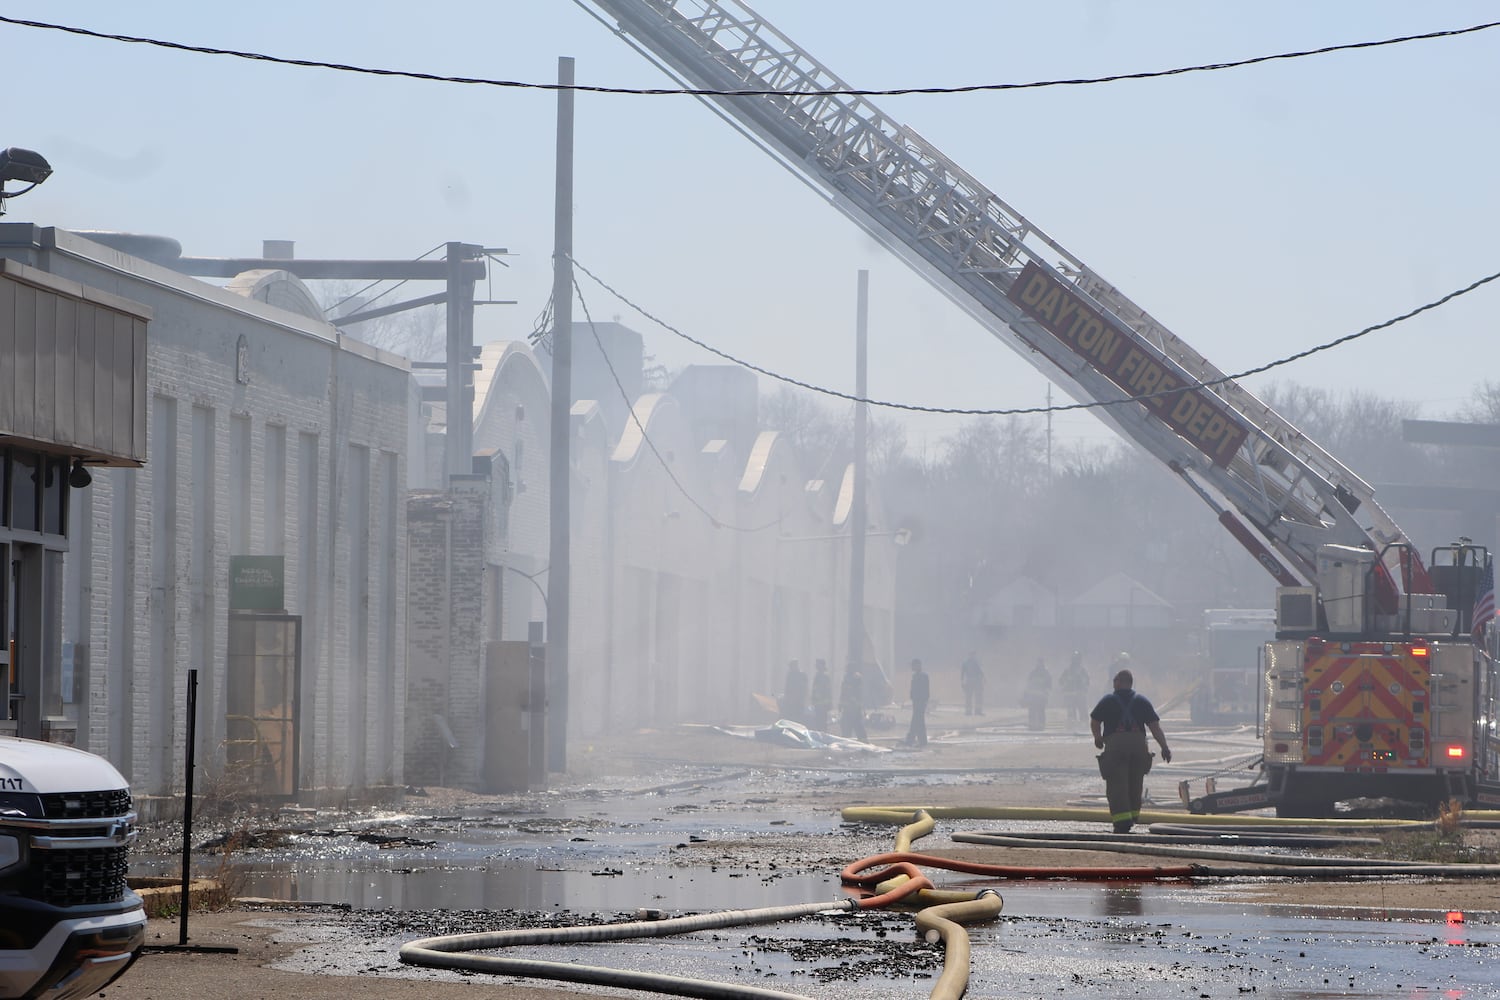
(79, 477)
(24, 165)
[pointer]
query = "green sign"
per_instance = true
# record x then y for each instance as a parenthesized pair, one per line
(257, 583)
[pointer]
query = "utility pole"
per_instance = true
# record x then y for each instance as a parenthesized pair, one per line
(857, 529)
(459, 440)
(1049, 432)
(562, 427)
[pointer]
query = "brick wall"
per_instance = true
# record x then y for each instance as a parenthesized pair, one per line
(448, 535)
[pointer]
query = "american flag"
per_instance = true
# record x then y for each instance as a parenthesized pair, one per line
(1484, 604)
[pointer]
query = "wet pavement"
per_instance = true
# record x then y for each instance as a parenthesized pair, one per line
(705, 839)
(1051, 941)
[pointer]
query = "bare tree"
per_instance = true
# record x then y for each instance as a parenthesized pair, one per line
(419, 334)
(1484, 405)
(805, 421)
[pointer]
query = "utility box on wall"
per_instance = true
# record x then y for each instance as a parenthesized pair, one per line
(516, 717)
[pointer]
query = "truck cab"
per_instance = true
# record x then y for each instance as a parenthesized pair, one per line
(69, 923)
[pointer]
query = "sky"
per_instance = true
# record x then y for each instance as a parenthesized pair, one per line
(1255, 211)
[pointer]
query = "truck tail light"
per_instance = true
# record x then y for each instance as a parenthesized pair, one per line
(1455, 751)
(1419, 651)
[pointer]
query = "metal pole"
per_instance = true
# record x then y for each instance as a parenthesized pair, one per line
(857, 527)
(459, 442)
(536, 705)
(1049, 432)
(187, 806)
(562, 406)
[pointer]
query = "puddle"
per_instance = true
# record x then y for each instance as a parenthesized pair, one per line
(608, 889)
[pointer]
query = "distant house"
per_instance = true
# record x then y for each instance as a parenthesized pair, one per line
(1118, 601)
(1022, 603)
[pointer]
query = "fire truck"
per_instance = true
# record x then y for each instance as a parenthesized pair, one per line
(1227, 692)
(1374, 686)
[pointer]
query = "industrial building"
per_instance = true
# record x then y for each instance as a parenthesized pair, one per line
(270, 515)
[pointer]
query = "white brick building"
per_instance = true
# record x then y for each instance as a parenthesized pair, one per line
(269, 434)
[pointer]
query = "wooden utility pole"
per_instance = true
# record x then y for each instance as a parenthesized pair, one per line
(562, 406)
(857, 519)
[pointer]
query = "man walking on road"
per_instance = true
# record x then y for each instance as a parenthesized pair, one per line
(794, 698)
(1034, 695)
(971, 679)
(1074, 685)
(852, 704)
(822, 697)
(920, 688)
(1119, 723)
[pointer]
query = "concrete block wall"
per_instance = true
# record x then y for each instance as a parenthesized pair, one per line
(449, 533)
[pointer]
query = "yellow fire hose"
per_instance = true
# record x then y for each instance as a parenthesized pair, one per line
(903, 814)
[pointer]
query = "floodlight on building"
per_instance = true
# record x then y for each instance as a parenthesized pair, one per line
(79, 477)
(23, 165)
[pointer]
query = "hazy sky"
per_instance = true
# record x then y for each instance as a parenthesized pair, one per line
(1255, 211)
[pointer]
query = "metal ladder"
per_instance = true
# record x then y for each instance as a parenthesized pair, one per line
(973, 246)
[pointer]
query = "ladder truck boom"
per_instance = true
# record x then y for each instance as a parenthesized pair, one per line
(1244, 459)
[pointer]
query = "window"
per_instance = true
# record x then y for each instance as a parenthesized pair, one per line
(55, 496)
(23, 490)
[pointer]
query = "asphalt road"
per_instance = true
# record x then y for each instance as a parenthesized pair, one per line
(694, 820)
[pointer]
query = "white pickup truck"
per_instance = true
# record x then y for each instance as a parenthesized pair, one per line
(69, 924)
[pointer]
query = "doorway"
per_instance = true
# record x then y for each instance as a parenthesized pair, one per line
(262, 706)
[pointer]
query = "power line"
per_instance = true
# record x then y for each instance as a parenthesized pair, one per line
(747, 92)
(356, 294)
(1029, 410)
(647, 437)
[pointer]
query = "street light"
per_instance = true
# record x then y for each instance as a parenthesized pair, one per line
(23, 165)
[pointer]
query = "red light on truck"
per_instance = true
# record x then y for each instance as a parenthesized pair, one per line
(1419, 651)
(1455, 753)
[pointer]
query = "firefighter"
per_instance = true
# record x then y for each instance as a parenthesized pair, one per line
(1119, 724)
(1074, 685)
(921, 689)
(822, 697)
(971, 679)
(1034, 695)
(852, 704)
(794, 700)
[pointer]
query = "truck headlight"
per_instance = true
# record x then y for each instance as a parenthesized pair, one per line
(10, 851)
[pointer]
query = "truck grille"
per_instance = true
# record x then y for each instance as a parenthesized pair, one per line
(86, 805)
(79, 877)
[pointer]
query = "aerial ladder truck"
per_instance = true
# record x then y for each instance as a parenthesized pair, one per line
(1375, 686)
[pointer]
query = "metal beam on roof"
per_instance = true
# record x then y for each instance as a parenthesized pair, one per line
(317, 270)
(1427, 496)
(1452, 432)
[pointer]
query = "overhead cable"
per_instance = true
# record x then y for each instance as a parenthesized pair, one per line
(1027, 410)
(666, 467)
(367, 302)
(745, 92)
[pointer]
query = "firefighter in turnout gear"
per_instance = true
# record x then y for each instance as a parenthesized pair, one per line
(1119, 724)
